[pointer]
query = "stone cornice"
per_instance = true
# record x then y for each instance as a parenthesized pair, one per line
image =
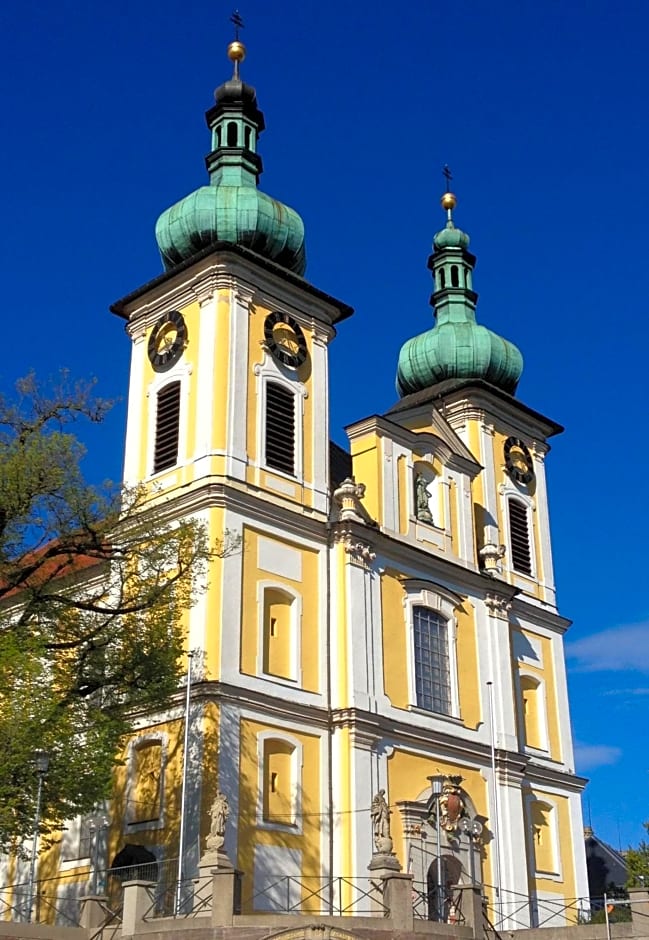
(370, 728)
(216, 267)
(397, 552)
(451, 448)
(512, 767)
(218, 491)
(541, 616)
(539, 775)
(513, 416)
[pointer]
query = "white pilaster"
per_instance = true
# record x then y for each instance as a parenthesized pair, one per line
(136, 425)
(511, 839)
(320, 429)
(543, 523)
(204, 395)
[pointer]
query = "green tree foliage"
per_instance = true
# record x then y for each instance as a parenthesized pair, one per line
(637, 861)
(93, 583)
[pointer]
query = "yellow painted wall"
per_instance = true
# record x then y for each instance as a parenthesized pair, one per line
(467, 665)
(304, 832)
(396, 650)
(191, 314)
(530, 491)
(367, 467)
(213, 599)
(408, 778)
(221, 369)
(395, 642)
(564, 881)
(546, 698)
(258, 316)
(252, 615)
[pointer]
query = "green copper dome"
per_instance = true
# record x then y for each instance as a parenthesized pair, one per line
(456, 347)
(231, 208)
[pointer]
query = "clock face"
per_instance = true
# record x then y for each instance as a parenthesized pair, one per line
(167, 341)
(285, 339)
(518, 461)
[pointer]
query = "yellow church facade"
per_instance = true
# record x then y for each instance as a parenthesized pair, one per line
(389, 614)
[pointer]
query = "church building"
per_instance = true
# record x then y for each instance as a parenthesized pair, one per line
(378, 672)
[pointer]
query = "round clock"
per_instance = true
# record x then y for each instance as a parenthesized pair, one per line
(285, 339)
(167, 341)
(518, 461)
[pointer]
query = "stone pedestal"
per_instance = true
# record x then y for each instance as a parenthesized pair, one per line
(218, 889)
(94, 911)
(382, 866)
(397, 897)
(137, 901)
(639, 898)
(472, 908)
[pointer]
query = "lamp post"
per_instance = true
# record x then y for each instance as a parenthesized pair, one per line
(473, 829)
(96, 824)
(437, 788)
(41, 766)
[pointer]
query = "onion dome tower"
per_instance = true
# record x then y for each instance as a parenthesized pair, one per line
(231, 208)
(456, 347)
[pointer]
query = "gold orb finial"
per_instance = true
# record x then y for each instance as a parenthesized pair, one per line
(448, 201)
(236, 51)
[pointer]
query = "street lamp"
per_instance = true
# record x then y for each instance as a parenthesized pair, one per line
(41, 765)
(437, 788)
(473, 829)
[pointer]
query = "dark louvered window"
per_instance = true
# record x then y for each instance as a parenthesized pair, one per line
(280, 428)
(519, 537)
(166, 427)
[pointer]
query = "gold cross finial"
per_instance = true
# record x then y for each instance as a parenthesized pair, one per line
(236, 49)
(238, 23)
(449, 201)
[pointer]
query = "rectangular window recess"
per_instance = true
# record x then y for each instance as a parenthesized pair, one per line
(273, 626)
(273, 783)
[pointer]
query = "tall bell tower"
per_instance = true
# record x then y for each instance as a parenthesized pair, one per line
(391, 612)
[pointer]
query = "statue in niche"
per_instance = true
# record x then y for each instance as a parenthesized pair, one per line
(380, 813)
(422, 496)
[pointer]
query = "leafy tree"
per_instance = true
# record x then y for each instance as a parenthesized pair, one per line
(637, 861)
(93, 585)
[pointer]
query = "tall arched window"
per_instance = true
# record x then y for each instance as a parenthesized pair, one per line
(167, 424)
(519, 537)
(432, 660)
(279, 428)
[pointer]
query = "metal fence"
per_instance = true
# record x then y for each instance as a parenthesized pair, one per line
(515, 910)
(57, 900)
(339, 896)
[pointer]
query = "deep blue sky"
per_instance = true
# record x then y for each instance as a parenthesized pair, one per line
(540, 109)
